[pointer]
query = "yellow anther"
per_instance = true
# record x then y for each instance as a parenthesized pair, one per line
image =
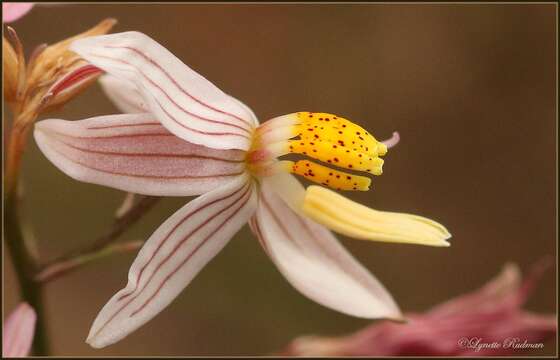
(326, 176)
(331, 139)
(329, 127)
(337, 155)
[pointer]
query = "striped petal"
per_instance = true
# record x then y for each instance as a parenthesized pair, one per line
(315, 263)
(19, 329)
(124, 94)
(187, 104)
(135, 153)
(172, 257)
(128, 99)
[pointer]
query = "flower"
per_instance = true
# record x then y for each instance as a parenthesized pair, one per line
(186, 137)
(13, 11)
(18, 332)
(488, 321)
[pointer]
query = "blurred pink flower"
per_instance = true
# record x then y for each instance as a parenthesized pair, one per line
(19, 329)
(13, 11)
(488, 321)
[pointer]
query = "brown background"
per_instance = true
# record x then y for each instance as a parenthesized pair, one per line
(471, 89)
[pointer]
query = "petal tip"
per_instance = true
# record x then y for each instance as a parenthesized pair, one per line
(445, 243)
(96, 341)
(400, 318)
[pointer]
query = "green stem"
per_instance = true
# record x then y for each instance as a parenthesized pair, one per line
(24, 266)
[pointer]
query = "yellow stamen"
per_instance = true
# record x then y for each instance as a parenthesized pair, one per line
(337, 154)
(330, 139)
(358, 221)
(323, 175)
(337, 130)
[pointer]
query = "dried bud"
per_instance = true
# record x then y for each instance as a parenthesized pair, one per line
(55, 75)
(10, 70)
(56, 60)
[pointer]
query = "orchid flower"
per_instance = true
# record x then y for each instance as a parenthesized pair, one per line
(19, 329)
(486, 322)
(14, 11)
(183, 137)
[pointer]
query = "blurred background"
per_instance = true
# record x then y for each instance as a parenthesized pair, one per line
(471, 89)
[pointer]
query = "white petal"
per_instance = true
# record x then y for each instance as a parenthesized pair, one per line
(124, 94)
(172, 257)
(186, 103)
(135, 153)
(18, 332)
(315, 263)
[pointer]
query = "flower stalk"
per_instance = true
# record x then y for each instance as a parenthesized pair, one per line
(57, 269)
(24, 266)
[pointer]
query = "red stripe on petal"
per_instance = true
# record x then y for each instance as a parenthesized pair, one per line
(160, 88)
(150, 60)
(176, 247)
(246, 196)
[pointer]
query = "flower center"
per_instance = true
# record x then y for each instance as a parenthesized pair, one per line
(328, 138)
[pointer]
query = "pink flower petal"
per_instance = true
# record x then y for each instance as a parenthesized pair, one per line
(124, 94)
(186, 103)
(135, 153)
(13, 11)
(19, 329)
(172, 257)
(315, 263)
